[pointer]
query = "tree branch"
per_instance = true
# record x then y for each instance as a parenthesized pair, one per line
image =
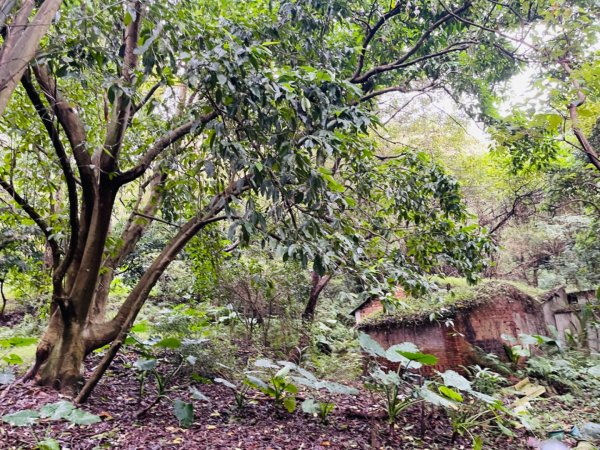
(20, 44)
(67, 172)
(36, 217)
(581, 98)
(400, 61)
(122, 106)
(74, 129)
(146, 98)
(159, 146)
(371, 34)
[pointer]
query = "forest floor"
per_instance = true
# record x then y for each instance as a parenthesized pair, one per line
(356, 423)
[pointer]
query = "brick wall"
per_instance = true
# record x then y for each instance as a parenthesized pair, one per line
(481, 326)
(372, 306)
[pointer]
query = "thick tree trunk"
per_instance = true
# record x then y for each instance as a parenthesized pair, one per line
(62, 368)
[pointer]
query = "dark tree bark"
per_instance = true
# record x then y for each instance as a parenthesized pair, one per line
(318, 283)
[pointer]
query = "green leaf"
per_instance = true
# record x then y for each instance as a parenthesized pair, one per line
(256, 383)
(48, 444)
(435, 399)
(57, 411)
(477, 443)
(13, 359)
(170, 342)
(454, 379)
(184, 412)
(336, 388)
(289, 403)
(450, 393)
(22, 418)
(17, 341)
(291, 388)
(422, 358)
(81, 417)
(370, 345)
(266, 363)
(594, 371)
(140, 327)
(145, 364)
(310, 406)
(197, 395)
(224, 382)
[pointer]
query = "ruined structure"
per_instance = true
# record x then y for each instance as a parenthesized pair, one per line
(566, 312)
(469, 321)
(474, 319)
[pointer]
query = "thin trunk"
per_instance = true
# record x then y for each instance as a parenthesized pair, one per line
(3, 297)
(318, 284)
(136, 226)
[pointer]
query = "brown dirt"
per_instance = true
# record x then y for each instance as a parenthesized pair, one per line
(355, 423)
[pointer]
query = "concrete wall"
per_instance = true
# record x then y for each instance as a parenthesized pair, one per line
(561, 311)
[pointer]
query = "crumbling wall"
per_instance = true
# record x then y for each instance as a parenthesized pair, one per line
(481, 326)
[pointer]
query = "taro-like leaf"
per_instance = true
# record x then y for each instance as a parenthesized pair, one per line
(306, 374)
(170, 342)
(594, 371)
(6, 377)
(393, 352)
(421, 358)
(57, 411)
(450, 393)
(81, 417)
(22, 418)
(145, 364)
(454, 379)
(256, 383)
(224, 382)
(284, 371)
(370, 345)
(305, 382)
(310, 406)
(197, 395)
(435, 399)
(184, 412)
(266, 363)
(337, 388)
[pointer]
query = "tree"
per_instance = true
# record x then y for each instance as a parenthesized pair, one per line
(22, 32)
(199, 114)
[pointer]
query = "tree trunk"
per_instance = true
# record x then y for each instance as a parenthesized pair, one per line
(3, 297)
(62, 368)
(318, 284)
(21, 43)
